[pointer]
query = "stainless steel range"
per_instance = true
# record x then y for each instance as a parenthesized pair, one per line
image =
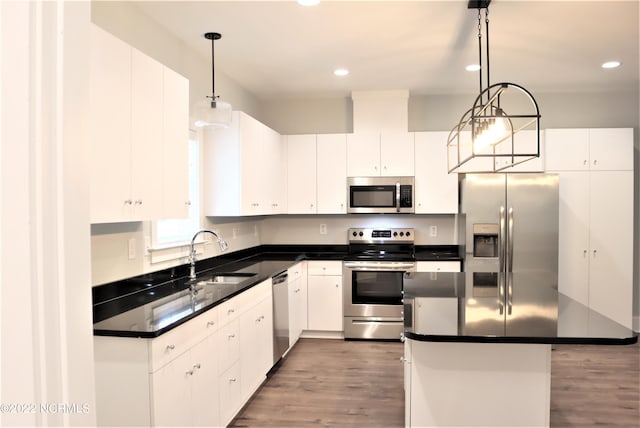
(373, 274)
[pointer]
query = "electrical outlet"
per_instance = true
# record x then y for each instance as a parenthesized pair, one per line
(433, 231)
(132, 248)
(323, 229)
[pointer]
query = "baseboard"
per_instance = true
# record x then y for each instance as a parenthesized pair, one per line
(315, 334)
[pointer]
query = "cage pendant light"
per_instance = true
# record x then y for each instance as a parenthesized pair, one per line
(502, 128)
(213, 112)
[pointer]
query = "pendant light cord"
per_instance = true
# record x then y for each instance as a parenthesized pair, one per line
(213, 75)
(486, 22)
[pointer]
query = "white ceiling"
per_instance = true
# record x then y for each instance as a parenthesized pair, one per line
(280, 49)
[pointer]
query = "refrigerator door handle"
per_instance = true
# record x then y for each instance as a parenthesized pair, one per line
(501, 240)
(510, 241)
(501, 296)
(509, 293)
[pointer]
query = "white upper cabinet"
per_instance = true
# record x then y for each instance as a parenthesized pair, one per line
(375, 154)
(397, 153)
(331, 174)
(244, 169)
(436, 191)
(598, 149)
(301, 174)
(133, 127)
(611, 149)
(175, 146)
(146, 135)
(110, 95)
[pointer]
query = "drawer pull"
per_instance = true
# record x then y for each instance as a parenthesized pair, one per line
(231, 336)
(189, 373)
(231, 380)
(171, 347)
(196, 366)
(210, 323)
(230, 311)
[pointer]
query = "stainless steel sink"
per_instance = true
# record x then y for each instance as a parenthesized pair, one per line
(226, 278)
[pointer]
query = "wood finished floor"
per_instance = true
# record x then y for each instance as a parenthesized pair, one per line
(335, 383)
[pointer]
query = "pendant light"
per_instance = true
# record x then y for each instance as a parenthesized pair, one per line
(213, 112)
(486, 138)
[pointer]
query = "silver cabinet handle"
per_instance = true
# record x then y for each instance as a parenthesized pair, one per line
(197, 366)
(231, 380)
(231, 336)
(171, 347)
(137, 202)
(210, 323)
(189, 373)
(397, 196)
(128, 202)
(230, 311)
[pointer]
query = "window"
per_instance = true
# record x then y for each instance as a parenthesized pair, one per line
(178, 231)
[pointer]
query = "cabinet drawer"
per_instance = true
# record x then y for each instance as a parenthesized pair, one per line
(324, 268)
(429, 266)
(296, 272)
(206, 324)
(172, 344)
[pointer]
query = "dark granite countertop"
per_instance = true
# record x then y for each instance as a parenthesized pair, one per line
(131, 307)
(506, 308)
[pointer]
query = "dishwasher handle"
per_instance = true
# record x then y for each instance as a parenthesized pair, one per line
(279, 279)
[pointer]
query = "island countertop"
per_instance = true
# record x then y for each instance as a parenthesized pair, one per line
(506, 308)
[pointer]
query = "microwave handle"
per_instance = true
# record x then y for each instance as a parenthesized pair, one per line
(398, 196)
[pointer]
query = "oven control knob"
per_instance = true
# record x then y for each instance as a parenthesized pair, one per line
(401, 233)
(408, 233)
(395, 233)
(361, 234)
(355, 233)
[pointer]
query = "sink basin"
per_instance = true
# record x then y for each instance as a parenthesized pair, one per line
(226, 278)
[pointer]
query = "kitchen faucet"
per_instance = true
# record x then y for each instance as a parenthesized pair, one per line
(192, 256)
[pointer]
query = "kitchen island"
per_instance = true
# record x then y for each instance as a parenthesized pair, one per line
(478, 348)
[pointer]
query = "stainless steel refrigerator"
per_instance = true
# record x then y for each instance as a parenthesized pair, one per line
(511, 250)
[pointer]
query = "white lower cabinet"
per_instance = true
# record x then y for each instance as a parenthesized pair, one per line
(324, 283)
(230, 393)
(198, 374)
(297, 301)
(182, 392)
(256, 345)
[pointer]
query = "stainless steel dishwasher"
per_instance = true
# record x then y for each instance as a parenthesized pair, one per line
(280, 316)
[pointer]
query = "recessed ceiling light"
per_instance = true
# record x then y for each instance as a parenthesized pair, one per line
(611, 64)
(340, 71)
(308, 2)
(472, 67)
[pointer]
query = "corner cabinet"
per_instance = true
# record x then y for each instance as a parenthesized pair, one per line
(200, 373)
(244, 169)
(436, 191)
(596, 217)
(139, 134)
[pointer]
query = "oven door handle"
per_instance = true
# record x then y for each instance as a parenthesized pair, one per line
(379, 266)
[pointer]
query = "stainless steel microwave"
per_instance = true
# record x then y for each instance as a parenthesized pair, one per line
(380, 195)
